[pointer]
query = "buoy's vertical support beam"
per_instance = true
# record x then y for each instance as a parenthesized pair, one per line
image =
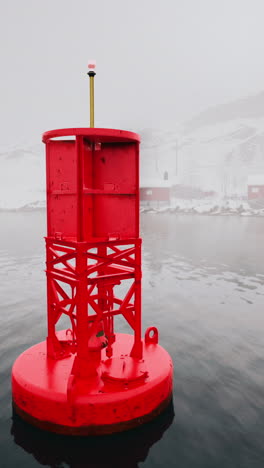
(105, 300)
(80, 186)
(91, 74)
(81, 366)
(137, 349)
(52, 341)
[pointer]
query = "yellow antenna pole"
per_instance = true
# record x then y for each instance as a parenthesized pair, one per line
(91, 74)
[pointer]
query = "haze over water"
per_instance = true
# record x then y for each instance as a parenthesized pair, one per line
(203, 281)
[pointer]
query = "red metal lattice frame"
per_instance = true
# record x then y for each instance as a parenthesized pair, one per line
(91, 271)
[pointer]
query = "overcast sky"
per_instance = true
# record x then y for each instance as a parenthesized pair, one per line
(158, 61)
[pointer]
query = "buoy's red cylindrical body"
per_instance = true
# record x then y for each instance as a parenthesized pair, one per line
(88, 379)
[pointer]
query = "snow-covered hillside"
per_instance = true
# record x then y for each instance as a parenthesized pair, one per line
(215, 151)
(220, 157)
(22, 176)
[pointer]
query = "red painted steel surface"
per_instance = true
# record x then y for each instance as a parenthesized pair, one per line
(94, 134)
(89, 379)
(92, 184)
(41, 388)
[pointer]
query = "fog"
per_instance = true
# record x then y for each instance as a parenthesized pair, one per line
(158, 62)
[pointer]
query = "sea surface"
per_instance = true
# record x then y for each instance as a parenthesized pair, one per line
(203, 287)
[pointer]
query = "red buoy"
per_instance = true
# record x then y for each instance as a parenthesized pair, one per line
(86, 378)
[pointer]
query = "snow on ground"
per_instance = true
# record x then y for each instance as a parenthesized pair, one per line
(214, 206)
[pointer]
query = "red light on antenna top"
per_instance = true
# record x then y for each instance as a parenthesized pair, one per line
(89, 379)
(92, 64)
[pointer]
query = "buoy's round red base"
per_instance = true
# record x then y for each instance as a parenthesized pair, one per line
(124, 394)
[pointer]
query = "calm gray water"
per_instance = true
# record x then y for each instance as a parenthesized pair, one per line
(203, 286)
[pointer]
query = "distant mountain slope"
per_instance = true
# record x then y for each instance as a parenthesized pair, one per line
(251, 107)
(22, 176)
(217, 150)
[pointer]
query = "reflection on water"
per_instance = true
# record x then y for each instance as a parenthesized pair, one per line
(203, 286)
(120, 450)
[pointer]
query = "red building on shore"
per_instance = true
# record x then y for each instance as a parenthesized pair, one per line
(256, 186)
(155, 193)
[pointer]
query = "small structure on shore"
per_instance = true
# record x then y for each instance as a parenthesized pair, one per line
(256, 186)
(155, 193)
